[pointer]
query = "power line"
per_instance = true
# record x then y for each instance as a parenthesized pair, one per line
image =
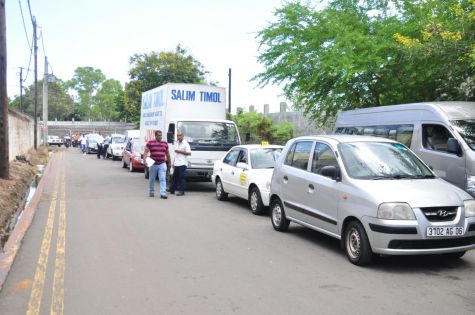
(31, 15)
(24, 25)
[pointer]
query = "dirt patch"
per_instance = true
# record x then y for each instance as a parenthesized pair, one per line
(13, 192)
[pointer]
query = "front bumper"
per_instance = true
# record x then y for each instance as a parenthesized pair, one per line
(398, 237)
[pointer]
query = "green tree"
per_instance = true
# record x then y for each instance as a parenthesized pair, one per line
(108, 101)
(86, 82)
(60, 103)
(261, 128)
(361, 53)
(151, 70)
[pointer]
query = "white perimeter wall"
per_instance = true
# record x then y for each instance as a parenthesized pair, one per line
(20, 133)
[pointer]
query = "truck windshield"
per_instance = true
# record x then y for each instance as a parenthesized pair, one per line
(466, 129)
(207, 135)
(382, 160)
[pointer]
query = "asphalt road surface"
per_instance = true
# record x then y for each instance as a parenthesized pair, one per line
(99, 245)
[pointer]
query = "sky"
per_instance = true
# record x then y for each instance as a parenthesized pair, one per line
(104, 34)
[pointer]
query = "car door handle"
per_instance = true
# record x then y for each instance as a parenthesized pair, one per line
(232, 172)
(286, 179)
(311, 189)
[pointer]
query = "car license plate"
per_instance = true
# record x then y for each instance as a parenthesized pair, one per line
(445, 231)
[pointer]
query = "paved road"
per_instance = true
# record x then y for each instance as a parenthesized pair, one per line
(100, 245)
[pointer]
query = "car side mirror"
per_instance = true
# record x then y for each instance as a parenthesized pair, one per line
(242, 165)
(331, 171)
(453, 146)
(170, 136)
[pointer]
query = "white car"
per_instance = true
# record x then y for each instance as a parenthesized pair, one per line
(246, 171)
(55, 140)
(116, 146)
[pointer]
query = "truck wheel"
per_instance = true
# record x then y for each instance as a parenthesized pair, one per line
(278, 218)
(220, 193)
(356, 244)
(255, 201)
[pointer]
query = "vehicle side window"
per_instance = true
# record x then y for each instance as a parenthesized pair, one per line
(401, 133)
(231, 157)
(322, 156)
(434, 137)
(242, 156)
(299, 155)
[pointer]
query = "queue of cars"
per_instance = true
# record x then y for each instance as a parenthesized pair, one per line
(373, 194)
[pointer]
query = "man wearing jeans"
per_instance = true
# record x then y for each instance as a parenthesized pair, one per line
(159, 153)
(180, 164)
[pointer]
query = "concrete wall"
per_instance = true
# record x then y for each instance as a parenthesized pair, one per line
(20, 133)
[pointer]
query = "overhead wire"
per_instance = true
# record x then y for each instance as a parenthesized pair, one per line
(24, 25)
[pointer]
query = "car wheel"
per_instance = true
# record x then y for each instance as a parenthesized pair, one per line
(255, 201)
(124, 165)
(455, 255)
(220, 193)
(278, 218)
(146, 172)
(131, 166)
(356, 244)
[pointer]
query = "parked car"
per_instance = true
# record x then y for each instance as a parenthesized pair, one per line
(373, 194)
(91, 143)
(116, 146)
(55, 140)
(132, 157)
(246, 171)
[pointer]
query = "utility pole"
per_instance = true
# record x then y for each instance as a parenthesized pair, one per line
(4, 149)
(229, 91)
(36, 84)
(45, 103)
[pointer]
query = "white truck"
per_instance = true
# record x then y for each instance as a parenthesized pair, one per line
(199, 111)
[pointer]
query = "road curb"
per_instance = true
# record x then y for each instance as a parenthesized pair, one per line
(10, 250)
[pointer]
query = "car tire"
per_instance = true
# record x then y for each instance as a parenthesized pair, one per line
(453, 256)
(278, 218)
(146, 172)
(220, 193)
(131, 167)
(356, 244)
(255, 201)
(124, 165)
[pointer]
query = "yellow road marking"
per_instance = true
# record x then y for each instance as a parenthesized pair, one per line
(39, 280)
(57, 303)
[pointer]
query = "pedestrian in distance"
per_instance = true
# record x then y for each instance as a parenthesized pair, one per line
(180, 163)
(158, 150)
(83, 141)
(100, 143)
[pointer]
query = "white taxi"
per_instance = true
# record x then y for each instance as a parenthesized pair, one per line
(246, 172)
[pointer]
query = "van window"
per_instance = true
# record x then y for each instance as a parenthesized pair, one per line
(434, 137)
(466, 128)
(322, 156)
(401, 133)
(299, 154)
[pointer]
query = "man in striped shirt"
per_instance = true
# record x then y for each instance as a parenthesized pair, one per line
(159, 153)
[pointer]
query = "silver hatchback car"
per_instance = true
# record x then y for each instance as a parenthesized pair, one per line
(373, 194)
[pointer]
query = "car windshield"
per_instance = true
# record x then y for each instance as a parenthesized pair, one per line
(382, 160)
(264, 157)
(466, 128)
(118, 139)
(208, 135)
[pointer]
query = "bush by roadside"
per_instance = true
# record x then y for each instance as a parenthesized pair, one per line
(13, 192)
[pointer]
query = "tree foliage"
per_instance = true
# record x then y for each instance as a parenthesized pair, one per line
(362, 53)
(151, 70)
(262, 128)
(60, 103)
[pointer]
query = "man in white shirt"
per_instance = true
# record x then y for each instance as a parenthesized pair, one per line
(180, 164)
(83, 141)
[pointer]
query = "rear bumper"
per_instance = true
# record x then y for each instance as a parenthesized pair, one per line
(199, 174)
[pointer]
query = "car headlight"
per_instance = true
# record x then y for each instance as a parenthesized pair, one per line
(395, 211)
(469, 208)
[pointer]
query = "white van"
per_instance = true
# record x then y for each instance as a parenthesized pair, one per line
(441, 133)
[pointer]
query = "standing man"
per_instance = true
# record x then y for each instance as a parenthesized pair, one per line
(100, 143)
(180, 164)
(159, 153)
(83, 141)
